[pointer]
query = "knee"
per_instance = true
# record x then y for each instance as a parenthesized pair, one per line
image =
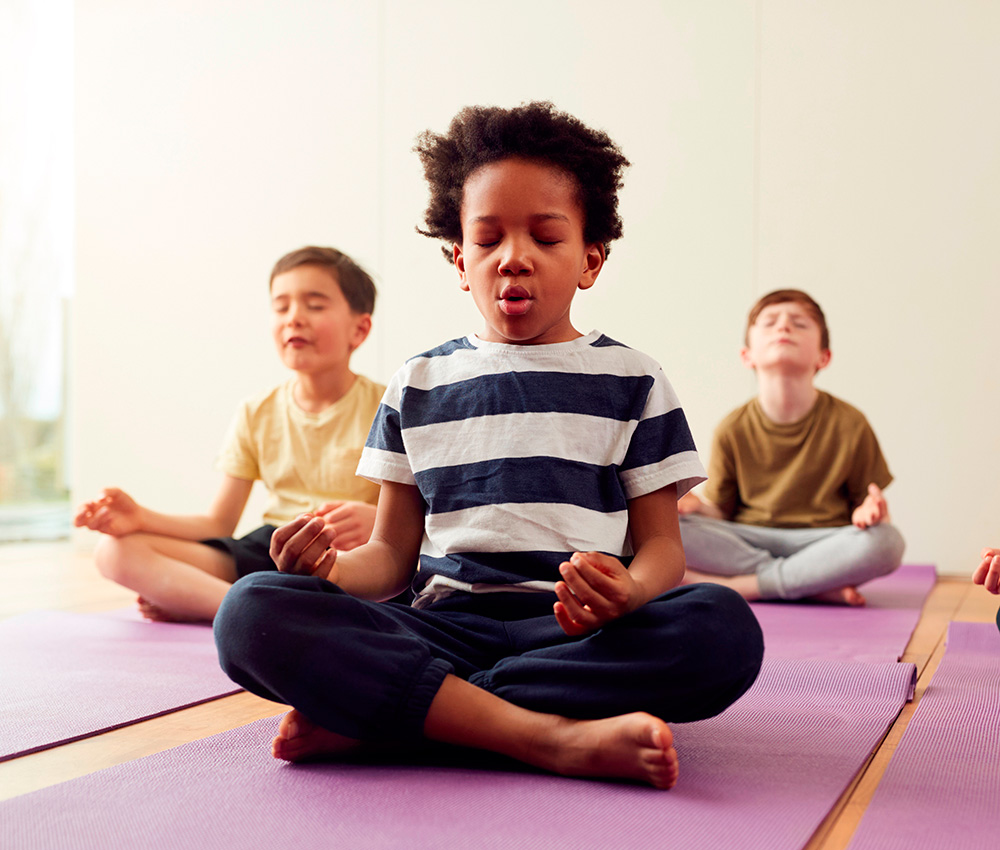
(887, 546)
(245, 617)
(729, 645)
(118, 558)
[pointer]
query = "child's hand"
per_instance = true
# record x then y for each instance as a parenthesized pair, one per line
(115, 512)
(304, 546)
(988, 572)
(352, 521)
(872, 510)
(595, 589)
(689, 503)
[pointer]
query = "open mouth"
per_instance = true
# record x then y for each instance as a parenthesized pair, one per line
(515, 300)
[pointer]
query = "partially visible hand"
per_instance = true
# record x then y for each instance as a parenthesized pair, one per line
(352, 521)
(872, 510)
(595, 590)
(689, 503)
(114, 512)
(988, 572)
(304, 546)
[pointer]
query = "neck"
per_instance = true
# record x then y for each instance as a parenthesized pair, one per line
(316, 392)
(786, 398)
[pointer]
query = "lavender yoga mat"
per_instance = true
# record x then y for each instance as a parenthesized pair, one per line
(64, 676)
(942, 787)
(762, 774)
(877, 632)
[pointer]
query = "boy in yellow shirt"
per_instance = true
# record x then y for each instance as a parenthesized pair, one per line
(303, 439)
(793, 507)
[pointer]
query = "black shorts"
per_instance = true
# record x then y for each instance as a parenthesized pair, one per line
(251, 553)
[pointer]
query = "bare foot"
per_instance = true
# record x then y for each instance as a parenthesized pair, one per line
(299, 739)
(635, 746)
(841, 596)
(155, 613)
(746, 586)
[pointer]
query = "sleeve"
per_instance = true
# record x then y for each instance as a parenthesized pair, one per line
(722, 489)
(238, 456)
(384, 456)
(868, 466)
(661, 451)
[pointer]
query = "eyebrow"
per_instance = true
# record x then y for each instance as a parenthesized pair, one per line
(307, 295)
(538, 217)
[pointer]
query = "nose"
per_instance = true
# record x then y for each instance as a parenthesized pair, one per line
(295, 313)
(516, 258)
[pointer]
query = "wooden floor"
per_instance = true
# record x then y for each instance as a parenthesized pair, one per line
(53, 576)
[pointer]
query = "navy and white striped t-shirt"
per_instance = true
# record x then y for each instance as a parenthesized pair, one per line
(525, 454)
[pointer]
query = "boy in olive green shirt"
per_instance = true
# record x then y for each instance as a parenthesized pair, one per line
(793, 507)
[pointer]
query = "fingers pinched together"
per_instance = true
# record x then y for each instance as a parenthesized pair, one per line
(988, 572)
(595, 590)
(304, 546)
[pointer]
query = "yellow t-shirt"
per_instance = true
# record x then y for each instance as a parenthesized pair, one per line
(808, 474)
(304, 459)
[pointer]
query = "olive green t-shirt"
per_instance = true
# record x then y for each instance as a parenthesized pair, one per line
(807, 474)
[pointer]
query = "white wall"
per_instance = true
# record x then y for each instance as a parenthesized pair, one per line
(773, 143)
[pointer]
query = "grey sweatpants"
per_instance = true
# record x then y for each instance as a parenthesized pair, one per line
(791, 563)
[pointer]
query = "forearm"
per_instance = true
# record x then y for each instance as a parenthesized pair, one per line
(376, 570)
(196, 527)
(711, 510)
(657, 567)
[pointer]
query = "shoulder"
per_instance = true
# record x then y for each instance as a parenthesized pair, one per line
(446, 349)
(735, 419)
(441, 357)
(840, 412)
(265, 401)
(604, 348)
(367, 389)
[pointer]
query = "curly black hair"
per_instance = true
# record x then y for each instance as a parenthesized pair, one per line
(479, 135)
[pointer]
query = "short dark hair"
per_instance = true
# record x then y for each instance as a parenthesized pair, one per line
(356, 284)
(537, 131)
(797, 296)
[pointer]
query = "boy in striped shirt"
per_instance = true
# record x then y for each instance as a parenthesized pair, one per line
(529, 481)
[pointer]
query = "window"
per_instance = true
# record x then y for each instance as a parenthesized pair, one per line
(36, 264)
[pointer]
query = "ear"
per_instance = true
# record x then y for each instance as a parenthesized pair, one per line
(594, 262)
(746, 359)
(824, 359)
(362, 327)
(459, 258)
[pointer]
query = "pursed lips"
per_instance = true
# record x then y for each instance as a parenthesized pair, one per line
(515, 300)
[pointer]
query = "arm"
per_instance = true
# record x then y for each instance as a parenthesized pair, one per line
(873, 510)
(378, 569)
(690, 503)
(988, 572)
(597, 588)
(116, 513)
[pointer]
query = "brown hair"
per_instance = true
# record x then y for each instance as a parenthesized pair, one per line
(356, 284)
(784, 296)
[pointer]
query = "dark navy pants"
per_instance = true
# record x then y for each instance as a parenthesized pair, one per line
(370, 670)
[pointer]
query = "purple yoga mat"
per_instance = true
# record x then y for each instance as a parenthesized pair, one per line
(941, 790)
(877, 632)
(64, 676)
(763, 775)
